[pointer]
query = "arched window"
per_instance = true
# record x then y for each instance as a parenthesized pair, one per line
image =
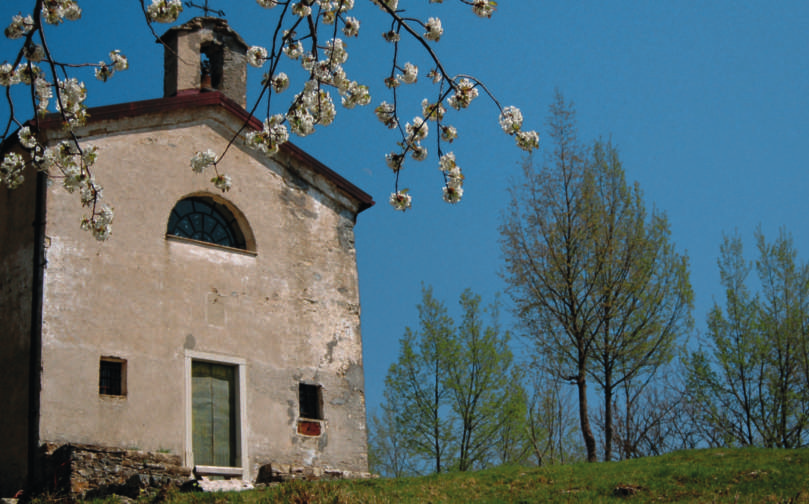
(203, 219)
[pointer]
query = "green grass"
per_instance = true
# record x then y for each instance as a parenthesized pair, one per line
(704, 476)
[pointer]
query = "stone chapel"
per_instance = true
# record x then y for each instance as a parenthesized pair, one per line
(214, 334)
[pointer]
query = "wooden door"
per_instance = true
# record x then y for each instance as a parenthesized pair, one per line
(213, 390)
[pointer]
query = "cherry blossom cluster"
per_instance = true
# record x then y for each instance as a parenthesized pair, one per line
(118, 63)
(452, 92)
(307, 49)
(53, 90)
(306, 33)
(202, 160)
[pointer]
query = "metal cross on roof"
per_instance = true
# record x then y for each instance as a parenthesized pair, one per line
(206, 9)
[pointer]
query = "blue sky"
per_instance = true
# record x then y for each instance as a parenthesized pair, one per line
(708, 103)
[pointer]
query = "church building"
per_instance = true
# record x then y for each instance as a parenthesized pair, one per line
(217, 333)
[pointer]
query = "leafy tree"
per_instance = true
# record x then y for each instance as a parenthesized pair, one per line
(452, 392)
(594, 278)
(479, 381)
(750, 379)
(415, 386)
(641, 283)
(784, 314)
(305, 37)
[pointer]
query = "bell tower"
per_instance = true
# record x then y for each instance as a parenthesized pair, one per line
(205, 54)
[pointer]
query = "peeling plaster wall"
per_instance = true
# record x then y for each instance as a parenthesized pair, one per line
(291, 310)
(17, 212)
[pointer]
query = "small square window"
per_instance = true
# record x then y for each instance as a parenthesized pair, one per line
(310, 401)
(112, 377)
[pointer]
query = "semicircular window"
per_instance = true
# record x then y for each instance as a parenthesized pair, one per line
(205, 220)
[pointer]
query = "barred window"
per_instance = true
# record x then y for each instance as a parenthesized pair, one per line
(112, 377)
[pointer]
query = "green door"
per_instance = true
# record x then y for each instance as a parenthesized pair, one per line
(213, 389)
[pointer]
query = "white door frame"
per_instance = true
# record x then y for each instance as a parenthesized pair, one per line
(241, 413)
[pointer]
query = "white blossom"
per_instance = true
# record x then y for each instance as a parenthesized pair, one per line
(71, 105)
(222, 182)
(352, 27)
(336, 51)
(72, 11)
(164, 11)
(418, 152)
(386, 113)
(103, 72)
(100, 224)
(119, 61)
(11, 170)
(411, 73)
(465, 92)
(201, 160)
(447, 162)
(44, 93)
(527, 140)
(89, 191)
(8, 77)
(394, 161)
(28, 73)
(432, 111)
(294, 49)
(452, 194)
(271, 136)
(56, 11)
(417, 131)
(301, 9)
(19, 27)
(279, 82)
(449, 133)
(511, 120)
(34, 52)
(483, 8)
(355, 94)
(27, 139)
(434, 29)
(400, 200)
(256, 56)
(392, 4)
(89, 154)
(267, 4)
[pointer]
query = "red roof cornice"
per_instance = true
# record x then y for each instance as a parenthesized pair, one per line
(201, 98)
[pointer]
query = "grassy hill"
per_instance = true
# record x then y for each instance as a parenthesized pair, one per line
(716, 475)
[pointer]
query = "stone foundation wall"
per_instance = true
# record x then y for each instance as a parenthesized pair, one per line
(87, 471)
(276, 473)
(80, 471)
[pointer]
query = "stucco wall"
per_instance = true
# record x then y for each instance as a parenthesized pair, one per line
(291, 310)
(17, 210)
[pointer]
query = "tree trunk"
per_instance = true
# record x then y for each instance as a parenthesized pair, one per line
(584, 420)
(608, 429)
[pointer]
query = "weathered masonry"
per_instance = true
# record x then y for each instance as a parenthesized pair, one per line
(217, 332)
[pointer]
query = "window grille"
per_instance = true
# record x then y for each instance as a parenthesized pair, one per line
(203, 219)
(111, 377)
